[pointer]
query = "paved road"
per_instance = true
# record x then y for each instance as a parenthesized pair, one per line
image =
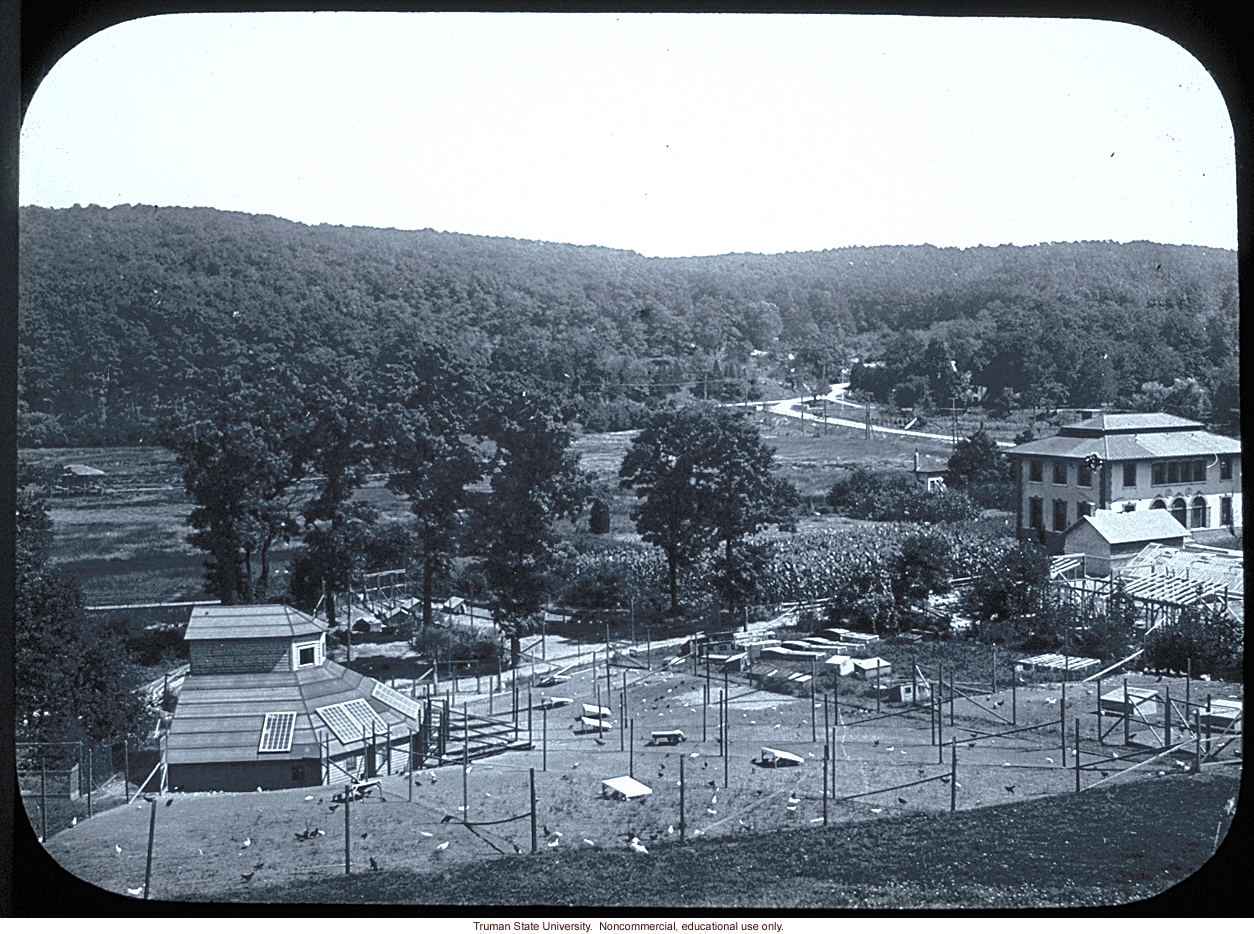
(788, 408)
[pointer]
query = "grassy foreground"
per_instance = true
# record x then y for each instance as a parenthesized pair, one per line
(1107, 846)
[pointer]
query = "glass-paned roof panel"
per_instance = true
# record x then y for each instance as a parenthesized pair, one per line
(396, 700)
(277, 731)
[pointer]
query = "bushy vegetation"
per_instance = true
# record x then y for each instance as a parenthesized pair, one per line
(1211, 642)
(897, 498)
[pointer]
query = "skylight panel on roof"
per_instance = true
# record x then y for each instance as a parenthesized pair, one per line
(277, 732)
(396, 700)
(352, 720)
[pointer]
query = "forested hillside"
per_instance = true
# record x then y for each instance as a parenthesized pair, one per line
(120, 307)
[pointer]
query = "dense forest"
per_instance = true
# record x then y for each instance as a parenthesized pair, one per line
(121, 307)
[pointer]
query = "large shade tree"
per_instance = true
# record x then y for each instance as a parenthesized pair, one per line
(535, 481)
(427, 414)
(231, 433)
(705, 480)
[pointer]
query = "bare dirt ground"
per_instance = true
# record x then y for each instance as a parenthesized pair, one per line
(225, 841)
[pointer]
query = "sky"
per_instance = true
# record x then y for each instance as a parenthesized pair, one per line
(666, 134)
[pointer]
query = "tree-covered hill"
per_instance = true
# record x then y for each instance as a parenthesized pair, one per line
(120, 305)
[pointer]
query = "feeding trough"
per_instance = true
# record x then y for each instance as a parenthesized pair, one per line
(624, 788)
(591, 725)
(777, 758)
(551, 703)
(1142, 703)
(595, 713)
(667, 738)
(549, 681)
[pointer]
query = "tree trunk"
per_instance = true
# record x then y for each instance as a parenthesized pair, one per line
(428, 586)
(671, 561)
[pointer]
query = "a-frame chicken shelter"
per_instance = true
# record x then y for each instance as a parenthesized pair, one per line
(263, 707)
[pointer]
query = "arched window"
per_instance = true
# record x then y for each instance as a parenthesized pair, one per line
(1158, 504)
(1180, 509)
(1197, 513)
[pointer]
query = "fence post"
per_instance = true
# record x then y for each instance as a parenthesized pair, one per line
(1127, 717)
(1077, 754)
(1167, 719)
(348, 801)
(465, 765)
(825, 750)
(1101, 737)
(152, 831)
(533, 811)
(1208, 721)
(1062, 725)
(544, 724)
(1014, 697)
(705, 708)
(953, 775)
(43, 798)
(631, 750)
(814, 684)
(681, 799)
(410, 770)
(994, 669)
(126, 769)
(1197, 739)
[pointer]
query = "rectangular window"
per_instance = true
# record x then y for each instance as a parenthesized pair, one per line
(1173, 471)
(1159, 473)
(1082, 510)
(307, 655)
(1129, 473)
(1060, 472)
(1225, 468)
(1225, 511)
(1035, 510)
(1083, 475)
(1060, 515)
(1199, 471)
(1035, 474)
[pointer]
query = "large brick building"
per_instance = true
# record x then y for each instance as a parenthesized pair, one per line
(1128, 463)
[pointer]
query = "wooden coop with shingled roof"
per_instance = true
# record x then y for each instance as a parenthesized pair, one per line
(263, 707)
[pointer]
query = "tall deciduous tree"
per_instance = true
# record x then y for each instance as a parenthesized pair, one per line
(704, 478)
(427, 409)
(977, 459)
(535, 482)
(231, 439)
(73, 680)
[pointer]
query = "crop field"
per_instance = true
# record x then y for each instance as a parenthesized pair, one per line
(887, 766)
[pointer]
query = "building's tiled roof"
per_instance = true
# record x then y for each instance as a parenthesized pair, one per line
(1120, 528)
(263, 621)
(1145, 446)
(219, 717)
(1107, 423)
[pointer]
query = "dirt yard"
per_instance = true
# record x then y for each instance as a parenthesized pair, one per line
(206, 841)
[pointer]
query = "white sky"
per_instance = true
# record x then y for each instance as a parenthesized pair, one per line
(668, 134)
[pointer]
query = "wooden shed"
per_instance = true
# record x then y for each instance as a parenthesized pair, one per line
(1109, 540)
(263, 707)
(867, 668)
